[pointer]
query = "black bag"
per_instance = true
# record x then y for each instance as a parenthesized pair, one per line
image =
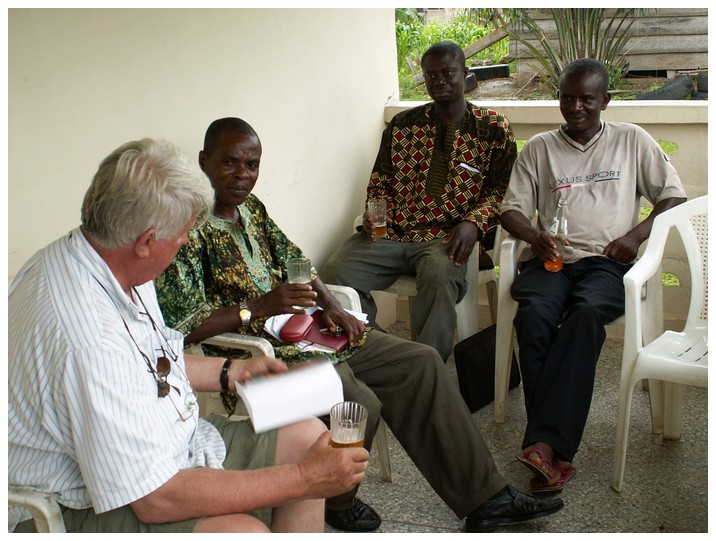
(475, 363)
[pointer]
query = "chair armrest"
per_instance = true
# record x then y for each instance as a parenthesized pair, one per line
(347, 296)
(255, 345)
(45, 510)
(643, 297)
(510, 249)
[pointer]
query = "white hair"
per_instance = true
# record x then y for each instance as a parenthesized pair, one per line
(141, 185)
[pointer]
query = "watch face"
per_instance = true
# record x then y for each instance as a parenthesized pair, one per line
(245, 315)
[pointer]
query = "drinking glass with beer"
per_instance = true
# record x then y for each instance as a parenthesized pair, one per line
(377, 210)
(348, 422)
(298, 271)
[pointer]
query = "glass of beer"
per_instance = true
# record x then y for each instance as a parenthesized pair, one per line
(348, 421)
(377, 210)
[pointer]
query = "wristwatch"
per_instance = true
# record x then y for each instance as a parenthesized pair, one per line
(244, 313)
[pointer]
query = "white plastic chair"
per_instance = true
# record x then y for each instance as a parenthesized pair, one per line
(674, 358)
(257, 346)
(45, 510)
(467, 308)
(510, 250)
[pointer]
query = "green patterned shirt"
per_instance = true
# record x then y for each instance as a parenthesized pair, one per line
(225, 263)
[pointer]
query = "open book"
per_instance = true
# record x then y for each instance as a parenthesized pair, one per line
(306, 390)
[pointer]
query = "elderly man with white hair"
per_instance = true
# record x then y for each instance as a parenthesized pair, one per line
(101, 407)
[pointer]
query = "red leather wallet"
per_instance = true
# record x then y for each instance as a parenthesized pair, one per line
(296, 328)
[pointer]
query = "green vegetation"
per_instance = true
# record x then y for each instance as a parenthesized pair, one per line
(581, 32)
(668, 147)
(413, 37)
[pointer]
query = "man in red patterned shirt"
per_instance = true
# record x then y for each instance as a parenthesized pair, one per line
(443, 168)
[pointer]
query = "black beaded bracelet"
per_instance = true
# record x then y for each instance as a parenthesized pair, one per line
(224, 375)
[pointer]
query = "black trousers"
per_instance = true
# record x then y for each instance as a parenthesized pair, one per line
(560, 331)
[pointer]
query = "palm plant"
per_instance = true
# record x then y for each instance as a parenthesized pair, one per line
(581, 33)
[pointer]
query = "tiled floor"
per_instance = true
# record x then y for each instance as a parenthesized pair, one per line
(665, 488)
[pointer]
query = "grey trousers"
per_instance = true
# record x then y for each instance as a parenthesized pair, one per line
(366, 266)
(407, 383)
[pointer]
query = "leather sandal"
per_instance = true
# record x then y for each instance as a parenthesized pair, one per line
(544, 470)
(538, 485)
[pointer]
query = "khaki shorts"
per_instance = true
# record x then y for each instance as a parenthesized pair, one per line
(245, 451)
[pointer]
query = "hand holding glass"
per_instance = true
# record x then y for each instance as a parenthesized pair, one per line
(377, 210)
(557, 264)
(348, 422)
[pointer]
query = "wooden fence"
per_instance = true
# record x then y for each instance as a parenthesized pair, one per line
(667, 40)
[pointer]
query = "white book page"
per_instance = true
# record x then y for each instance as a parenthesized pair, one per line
(280, 399)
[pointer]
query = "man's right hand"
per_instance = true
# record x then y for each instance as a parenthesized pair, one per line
(368, 227)
(282, 299)
(243, 370)
(329, 472)
(544, 247)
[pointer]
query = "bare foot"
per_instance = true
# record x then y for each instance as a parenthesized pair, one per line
(539, 452)
(538, 458)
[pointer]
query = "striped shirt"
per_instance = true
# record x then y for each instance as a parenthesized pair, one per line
(85, 422)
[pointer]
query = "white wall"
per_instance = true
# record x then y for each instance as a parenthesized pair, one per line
(312, 82)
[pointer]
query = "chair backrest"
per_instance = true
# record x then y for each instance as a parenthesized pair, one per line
(690, 219)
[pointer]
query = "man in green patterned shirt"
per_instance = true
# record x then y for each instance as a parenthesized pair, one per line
(231, 275)
(443, 168)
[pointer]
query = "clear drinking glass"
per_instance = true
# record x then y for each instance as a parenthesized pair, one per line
(298, 270)
(348, 422)
(377, 210)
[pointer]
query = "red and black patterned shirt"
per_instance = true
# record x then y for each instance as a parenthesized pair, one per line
(435, 176)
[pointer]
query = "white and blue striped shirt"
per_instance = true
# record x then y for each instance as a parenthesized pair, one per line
(85, 422)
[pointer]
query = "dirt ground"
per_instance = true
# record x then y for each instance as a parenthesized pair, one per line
(509, 88)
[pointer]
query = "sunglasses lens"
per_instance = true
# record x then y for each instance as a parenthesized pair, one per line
(163, 366)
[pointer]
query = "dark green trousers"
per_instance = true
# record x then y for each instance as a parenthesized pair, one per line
(408, 384)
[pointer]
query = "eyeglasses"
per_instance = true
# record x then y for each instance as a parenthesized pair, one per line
(163, 364)
(164, 368)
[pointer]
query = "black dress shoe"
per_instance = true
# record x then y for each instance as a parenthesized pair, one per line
(359, 518)
(510, 506)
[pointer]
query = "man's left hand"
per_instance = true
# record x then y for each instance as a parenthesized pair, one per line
(336, 316)
(462, 239)
(623, 249)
